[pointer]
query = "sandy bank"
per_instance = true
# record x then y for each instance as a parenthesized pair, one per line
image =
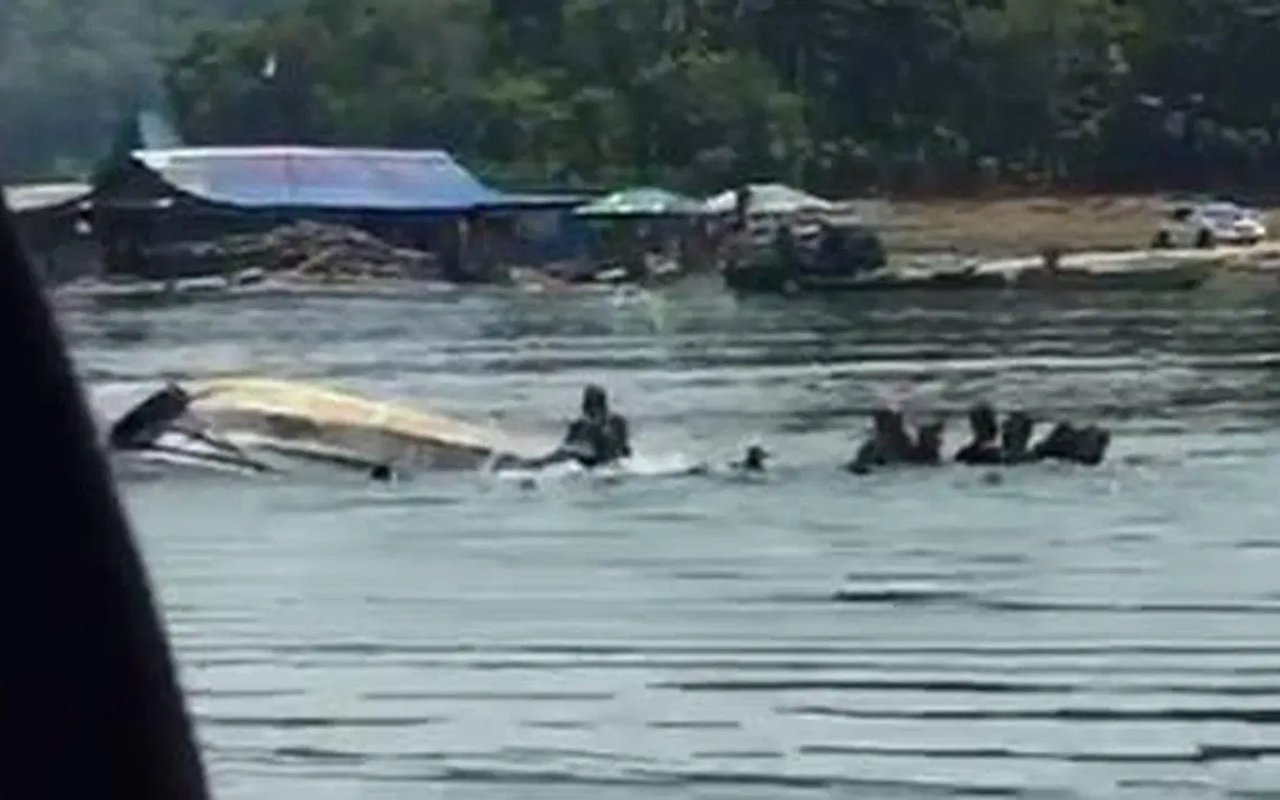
(1026, 225)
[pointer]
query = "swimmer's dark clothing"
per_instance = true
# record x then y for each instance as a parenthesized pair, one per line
(878, 452)
(984, 450)
(381, 473)
(980, 454)
(1093, 445)
(146, 421)
(927, 448)
(754, 461)
(596, 443)
(591, 444)
(594, 439)
(888, 445)
(869, 455)
(1015, 439)
(1058, 445)
(1086, 446)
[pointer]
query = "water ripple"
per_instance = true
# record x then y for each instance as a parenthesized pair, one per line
(1066, 633)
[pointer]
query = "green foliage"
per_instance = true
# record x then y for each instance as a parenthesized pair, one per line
(69, 70)
(845, 95)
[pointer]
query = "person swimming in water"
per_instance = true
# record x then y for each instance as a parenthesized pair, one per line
(1065, 442)
(597, 438)
(1087, 446)
(753, 461)
(984, 449)
(889, 444)
(1092, 445)
(146, 422)
(165, 411)
(927, 449)
(1015, 439)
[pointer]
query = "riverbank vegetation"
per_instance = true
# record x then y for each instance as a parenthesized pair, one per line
(923, 97)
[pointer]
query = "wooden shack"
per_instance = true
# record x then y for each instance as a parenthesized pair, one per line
(54, 224)
(157, 210)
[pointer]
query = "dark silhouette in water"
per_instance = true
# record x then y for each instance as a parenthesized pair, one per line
(1015, 439)
(147, 421)
(1065, 442)
(992, 444)
(1087, 446)
(889, 444)
(984, 449)
(142, 426)
(753, 461)
(1092, 445)
(597, 438)
(927, 450)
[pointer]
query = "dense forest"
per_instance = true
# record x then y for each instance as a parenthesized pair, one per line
(70, 69)
(846, 96)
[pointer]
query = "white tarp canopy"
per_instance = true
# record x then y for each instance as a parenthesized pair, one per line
(769, 198)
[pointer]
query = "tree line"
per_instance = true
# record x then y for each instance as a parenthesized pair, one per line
(70, 69)
(907, 96)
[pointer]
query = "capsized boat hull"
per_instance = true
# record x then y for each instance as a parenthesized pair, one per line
(267, 426)
(314, 422)
(177, 453)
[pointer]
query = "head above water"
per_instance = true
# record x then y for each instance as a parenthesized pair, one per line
(145, 422)
(595, 401)
(982, 420)
(928, 447)
(1016, 434)
(756, 457)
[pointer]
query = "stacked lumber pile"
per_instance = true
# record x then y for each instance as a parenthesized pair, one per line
(315, 251)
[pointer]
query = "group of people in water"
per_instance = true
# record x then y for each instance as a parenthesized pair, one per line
(599, 437)
(991, 443)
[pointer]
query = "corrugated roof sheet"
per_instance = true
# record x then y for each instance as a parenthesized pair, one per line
(769, 198)
(36, 196)
(641, 202)
(309, 177)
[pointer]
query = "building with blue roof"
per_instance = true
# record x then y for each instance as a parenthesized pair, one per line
(321, 179)
(417, 198)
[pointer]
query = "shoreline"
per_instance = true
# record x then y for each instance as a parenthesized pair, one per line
(987, 229)
(1023, 226)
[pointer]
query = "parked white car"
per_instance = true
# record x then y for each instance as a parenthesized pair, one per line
(1209, 224)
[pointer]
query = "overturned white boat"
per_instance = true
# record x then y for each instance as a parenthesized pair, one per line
(264, 425)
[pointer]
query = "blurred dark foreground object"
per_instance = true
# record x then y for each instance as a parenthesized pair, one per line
(90, 705)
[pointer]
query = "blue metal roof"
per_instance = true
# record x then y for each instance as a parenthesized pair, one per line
(326, 178)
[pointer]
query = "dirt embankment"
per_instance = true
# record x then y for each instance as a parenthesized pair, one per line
(1027, 225)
